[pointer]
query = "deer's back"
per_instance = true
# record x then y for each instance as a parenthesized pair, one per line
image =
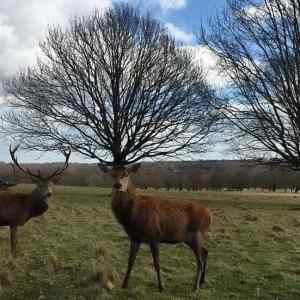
(13, 209)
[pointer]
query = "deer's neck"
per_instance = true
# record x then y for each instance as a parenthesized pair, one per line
(38, 203)
(131, 189)
(123, 203)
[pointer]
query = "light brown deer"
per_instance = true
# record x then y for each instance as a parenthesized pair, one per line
(18, 208)
(147, 219)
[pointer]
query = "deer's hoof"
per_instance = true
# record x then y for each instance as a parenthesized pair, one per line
(197, 288)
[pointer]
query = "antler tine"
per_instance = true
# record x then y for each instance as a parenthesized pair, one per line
(16, 163)
(59, 171)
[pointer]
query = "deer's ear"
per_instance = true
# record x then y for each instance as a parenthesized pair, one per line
(103, 168)
(134, 168)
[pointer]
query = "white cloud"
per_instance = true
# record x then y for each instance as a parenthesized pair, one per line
(260, 11)
(209, 62)
(172, 4)
(252, 10)
(256, 11)
(24, 23)
(179, 34)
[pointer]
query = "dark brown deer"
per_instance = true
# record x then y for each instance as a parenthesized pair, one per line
(5, 185)
(147, 219)
(18, 208)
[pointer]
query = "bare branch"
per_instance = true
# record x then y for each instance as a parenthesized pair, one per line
(113, 87)
(258, 46)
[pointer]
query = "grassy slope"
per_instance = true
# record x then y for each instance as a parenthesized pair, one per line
(77, 250)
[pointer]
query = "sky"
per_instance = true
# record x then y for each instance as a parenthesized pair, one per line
(24, 23)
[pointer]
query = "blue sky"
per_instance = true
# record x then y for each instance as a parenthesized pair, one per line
(24, 23)
(190, 16)
(186, 15)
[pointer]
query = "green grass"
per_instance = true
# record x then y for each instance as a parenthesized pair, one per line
(78, 251)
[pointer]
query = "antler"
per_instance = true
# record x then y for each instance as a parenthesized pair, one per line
(16, 163)
(59, 171)
(39, 176)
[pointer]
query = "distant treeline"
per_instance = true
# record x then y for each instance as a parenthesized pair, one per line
(210, 175)
(198, 175)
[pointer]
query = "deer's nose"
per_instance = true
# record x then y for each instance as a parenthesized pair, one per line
(49, 194)
(117, 185)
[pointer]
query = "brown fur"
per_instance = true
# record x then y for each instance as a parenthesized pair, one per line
(18, 208)
(148, 219)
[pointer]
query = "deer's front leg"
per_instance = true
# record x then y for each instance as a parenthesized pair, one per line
(13, 240)
(196, 245)
(134, 249)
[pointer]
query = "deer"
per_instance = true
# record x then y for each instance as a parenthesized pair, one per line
(150, 220)
(16, 208)
(5, 185)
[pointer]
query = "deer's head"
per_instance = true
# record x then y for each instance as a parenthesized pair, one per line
(43, 183)
(43, 187)
(120, 175)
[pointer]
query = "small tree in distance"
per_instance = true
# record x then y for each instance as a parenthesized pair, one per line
(258, 47)
(113, 87)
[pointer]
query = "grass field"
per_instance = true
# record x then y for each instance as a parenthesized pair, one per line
(78, 251)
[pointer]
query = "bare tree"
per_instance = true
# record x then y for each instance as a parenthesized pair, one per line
(115, 87)
(258, 46)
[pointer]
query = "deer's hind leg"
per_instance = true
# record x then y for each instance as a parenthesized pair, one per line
(13, 240)
(154, 246)
(204, 256)
(195, 243)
